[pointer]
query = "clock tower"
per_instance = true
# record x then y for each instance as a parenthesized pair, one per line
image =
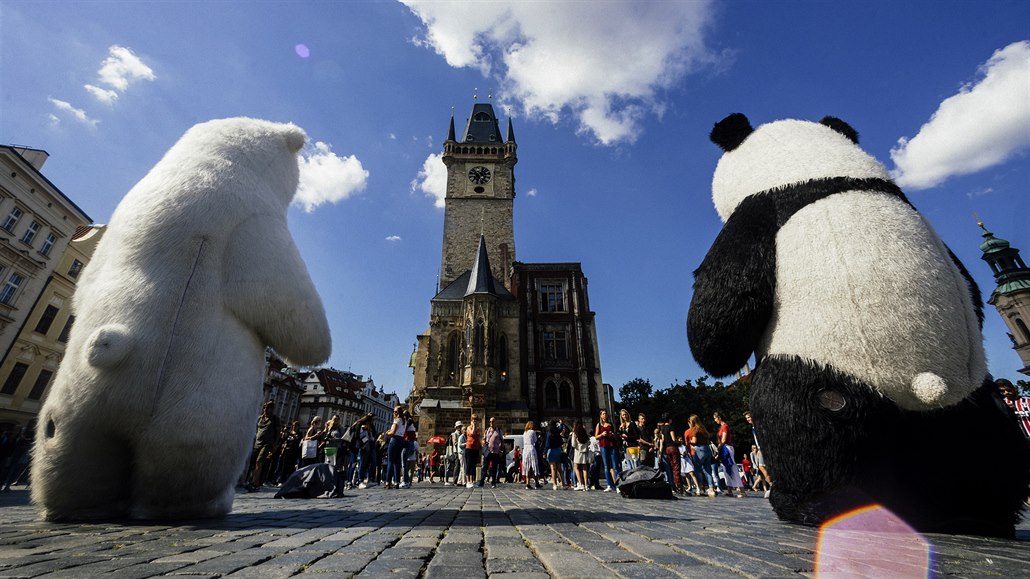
(480, 196)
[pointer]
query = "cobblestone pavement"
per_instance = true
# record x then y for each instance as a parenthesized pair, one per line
(436, 531)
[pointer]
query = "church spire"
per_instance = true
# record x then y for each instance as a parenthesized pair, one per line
(450, 131)
(1010, 271)
(482, 279)
(511, 132)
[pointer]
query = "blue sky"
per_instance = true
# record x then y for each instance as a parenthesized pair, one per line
(612, 104)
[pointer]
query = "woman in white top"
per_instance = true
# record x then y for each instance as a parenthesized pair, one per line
(530, 464)
(394, 447)
(582, 456)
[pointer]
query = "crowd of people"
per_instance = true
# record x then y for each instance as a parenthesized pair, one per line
(695, 461)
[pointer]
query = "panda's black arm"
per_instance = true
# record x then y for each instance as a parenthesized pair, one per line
(733, 289)
(974, 290)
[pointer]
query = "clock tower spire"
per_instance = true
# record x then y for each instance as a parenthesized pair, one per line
(480, 190)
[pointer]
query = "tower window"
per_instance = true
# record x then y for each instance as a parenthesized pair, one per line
(1023, 330)
(479, 342)
(565, 395)
(550, 395)
(453, 355)
(555, 345)
(481, 118)
(75, 269)
(552, 297)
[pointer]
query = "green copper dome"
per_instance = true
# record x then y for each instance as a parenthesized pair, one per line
(992, 243)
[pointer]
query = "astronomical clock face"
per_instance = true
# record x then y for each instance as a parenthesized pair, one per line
(479, 175)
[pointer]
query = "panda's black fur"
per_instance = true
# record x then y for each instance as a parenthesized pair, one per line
(833, 442)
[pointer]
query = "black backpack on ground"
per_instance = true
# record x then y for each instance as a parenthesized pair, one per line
(644, 482)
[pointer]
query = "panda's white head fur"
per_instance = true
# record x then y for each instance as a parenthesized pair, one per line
(784, 153)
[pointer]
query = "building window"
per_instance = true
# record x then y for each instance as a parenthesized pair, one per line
(40, 386)
(30, 233)
(479, 342)
(63, 338)
(502, 355)
(14, 378)
(75, 269)
(552, 298)
(48, 244)
(46, 319)
(550, 395)
(453, 355)
(565, 395)
(12, 219)
(555, 345)
(1023, 330)
(9, 289)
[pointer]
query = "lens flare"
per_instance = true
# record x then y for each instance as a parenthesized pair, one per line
(302, 50)
(871, 541)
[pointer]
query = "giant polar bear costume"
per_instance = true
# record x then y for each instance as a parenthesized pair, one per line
(866, 329)
(152, 413)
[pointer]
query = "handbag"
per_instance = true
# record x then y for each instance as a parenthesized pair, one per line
(309, 448)
(348, 436)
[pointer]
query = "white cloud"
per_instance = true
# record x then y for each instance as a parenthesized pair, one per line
(54, 120)
(66, 107)
(432, 179)
(603, 62)
(103, 95)
(394, 238)
(531, 193)
(327, 178)
(983, 125)
(122, 67)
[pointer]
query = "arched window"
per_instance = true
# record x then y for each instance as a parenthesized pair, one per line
(565, 395)
(550, 395)
(502, 355)
(1023, 330)
(453, 355)
(479, 342)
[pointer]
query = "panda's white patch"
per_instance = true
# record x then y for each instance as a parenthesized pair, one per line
(863, 283)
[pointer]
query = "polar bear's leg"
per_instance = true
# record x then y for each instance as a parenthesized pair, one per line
(79, 472)
(175, 481)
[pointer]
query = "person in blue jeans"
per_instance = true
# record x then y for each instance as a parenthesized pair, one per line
(394, 447)
(699, 439)
(604, 432)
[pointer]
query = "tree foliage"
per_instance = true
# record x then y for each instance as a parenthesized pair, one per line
(682, 399)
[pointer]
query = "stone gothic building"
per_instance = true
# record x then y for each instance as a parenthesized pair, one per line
(506, 339)
(1012, 295)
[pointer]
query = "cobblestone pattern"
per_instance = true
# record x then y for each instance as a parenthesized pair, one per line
(446, 532)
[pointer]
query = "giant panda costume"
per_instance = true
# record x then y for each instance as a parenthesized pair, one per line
(871, 374)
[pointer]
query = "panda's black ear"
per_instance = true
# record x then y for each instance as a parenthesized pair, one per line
(841, 127)
(730, 132)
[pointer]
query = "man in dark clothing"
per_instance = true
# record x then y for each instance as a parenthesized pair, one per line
(265, 442)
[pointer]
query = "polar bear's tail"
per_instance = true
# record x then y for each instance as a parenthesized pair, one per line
(929, 388)
(108, 346)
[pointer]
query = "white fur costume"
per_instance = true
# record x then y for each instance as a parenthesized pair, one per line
(862, 280)
(152, 413)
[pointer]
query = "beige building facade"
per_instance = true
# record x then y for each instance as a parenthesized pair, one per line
(45, 241)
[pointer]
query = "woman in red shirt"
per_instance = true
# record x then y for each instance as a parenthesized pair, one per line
(472, 446)
(604, 432)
